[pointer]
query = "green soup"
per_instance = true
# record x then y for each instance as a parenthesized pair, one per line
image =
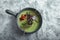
(24, 25)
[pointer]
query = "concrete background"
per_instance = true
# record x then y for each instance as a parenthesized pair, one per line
(49, 9)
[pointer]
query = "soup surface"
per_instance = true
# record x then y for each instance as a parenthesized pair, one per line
(28, 20)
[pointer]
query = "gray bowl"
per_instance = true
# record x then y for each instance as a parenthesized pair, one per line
(37, 13)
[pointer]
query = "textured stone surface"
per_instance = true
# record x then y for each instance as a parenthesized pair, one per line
(49, 9)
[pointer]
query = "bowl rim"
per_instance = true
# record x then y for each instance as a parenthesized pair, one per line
(40, 24)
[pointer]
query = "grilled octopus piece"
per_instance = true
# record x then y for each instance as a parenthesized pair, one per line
(29, 19)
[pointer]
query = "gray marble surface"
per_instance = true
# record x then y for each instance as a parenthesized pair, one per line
(49, 9)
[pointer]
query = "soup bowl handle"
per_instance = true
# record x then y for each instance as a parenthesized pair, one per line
(10, 12)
